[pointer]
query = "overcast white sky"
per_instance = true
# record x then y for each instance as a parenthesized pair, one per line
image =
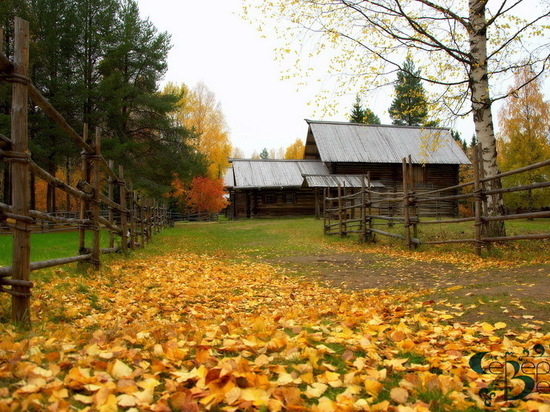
(212, 44)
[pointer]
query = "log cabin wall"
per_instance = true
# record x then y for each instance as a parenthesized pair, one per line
(426, 178)
(274, 202)
(391, 175)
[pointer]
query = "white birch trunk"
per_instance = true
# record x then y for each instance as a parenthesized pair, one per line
(481, 106)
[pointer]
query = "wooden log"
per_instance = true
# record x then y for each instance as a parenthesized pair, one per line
(21, 175)
(448, 221)
(532, 236)
(6, 271)
(532, 215)
(123, 206)
(95, 201)
(412, 202)
(114, 228)
(340, 211)
(58, 219)
(394, 235)
(83, 202)
(141, 220)
(111, 191)
(54, 181)
(16, 282)
(133, 219)
(449, 241)
(520, 170)
(478, 205)
(518, 188)
(326, 216)
(106, 251)
(5, 143)
(406, 204)
(369, 214)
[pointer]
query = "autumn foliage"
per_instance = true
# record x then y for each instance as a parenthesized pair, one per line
(188, 333)
(202, 195)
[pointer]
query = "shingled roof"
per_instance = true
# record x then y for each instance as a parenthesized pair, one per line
(362, 143)
(253, 173)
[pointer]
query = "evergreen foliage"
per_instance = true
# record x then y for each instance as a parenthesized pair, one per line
(99, 62)
(362, 115)
(410, 106)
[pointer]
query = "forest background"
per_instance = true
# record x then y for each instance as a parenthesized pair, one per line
(100, 63)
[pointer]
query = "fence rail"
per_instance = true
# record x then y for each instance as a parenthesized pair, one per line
(360, 212)
(133, 218)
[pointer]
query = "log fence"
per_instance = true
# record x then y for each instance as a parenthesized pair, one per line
(404, 209)
(133, 219)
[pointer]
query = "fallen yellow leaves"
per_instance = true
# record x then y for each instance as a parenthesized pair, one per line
(191, 333)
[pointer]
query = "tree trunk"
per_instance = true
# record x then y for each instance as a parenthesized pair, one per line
(481, 106)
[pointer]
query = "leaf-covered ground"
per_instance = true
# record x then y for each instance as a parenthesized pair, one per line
(187, 332)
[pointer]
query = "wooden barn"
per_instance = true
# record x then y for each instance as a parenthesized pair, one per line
(259, 188)
(350, 148)
(341, 153)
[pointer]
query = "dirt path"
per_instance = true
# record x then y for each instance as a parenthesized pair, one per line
(518, 296)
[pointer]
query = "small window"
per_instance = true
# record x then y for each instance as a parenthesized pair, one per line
(270, 199)
(290, 198)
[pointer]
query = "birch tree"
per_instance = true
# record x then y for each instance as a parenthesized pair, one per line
(465, 49)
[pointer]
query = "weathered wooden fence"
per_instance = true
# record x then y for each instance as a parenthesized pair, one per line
(361, 212)
(133, 219)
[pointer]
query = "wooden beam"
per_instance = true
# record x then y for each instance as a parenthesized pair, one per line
(20, 176)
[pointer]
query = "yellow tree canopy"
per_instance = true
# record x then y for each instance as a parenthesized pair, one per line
(295, 150)
(200, 112)
(525, 127)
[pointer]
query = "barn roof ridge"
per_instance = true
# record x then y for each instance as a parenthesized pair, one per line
(274, 160)
(336, 122)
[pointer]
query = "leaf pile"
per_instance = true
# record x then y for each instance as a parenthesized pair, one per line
(187, 332)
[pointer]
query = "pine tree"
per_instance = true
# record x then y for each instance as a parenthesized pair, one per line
(357, 113)
(360, 115)
(370, 117)
(410, 106)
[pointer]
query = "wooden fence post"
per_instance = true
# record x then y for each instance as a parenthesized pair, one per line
(20, 177)
(141, 215)
(149, 213)
(340, 211)
(369, 199)
(133, 226)
(478, 205)
(112, 183)
(83, 202)
(325, 210)
(412, 203)
(406, 204)
(363, 212)
(123, 206)
(96, 251)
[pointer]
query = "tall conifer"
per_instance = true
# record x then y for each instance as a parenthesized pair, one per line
(410, 106)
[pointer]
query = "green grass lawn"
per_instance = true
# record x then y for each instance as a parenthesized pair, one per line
(45, 246)
(271, 238)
